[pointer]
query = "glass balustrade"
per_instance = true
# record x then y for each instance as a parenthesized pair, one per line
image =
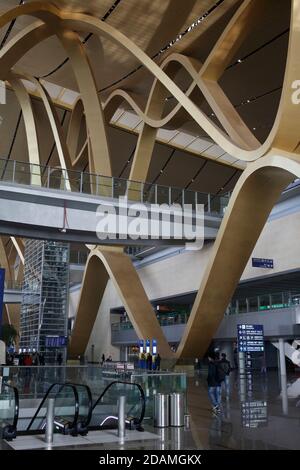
(108, 187)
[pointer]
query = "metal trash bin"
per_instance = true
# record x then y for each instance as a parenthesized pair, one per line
(177, 409)
(161, 410)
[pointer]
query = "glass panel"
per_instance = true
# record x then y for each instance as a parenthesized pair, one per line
(215, 204)
(56, 178)
(120, 187)
(134, 191)
(154, 383)
(176, 196)
(104, 186)
(64, 408)
(242, 306)
(253, 304)
(7, 406)
(202, 198)
(74, 178)
(190, 198)
(7, 170)
(86, 182)
(85, 403)
(264, 302)
(277, 301)
(162, 195)
(149, 193)
(287, 299)
(106, 411)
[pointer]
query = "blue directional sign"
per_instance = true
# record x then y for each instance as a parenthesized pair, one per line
(250, 338)
(56, 341)
(262, 263)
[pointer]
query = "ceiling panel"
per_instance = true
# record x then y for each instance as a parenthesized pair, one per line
(212, 178)
(180, 170)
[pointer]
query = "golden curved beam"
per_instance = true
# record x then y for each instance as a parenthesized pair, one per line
(112, 263)
(29, 122)
(56, 128)
(286, 113)
(37, 32)
(74, 129)
(252, 200)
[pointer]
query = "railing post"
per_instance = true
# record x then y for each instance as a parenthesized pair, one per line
(14, 172)
(121, 417)
(97, 184)
(208, 202)
(142, 192)
(170, 195)
(155, 194)
(50, 421)
(81, 182)
(113, 187)
(48, 177)
(182, 197)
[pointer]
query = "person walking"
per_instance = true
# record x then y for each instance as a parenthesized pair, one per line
(214, 386)
(102, 359)
(224, 364)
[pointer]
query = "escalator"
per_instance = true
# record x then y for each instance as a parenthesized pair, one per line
(72, 410)
(105, 408)
(9, 411)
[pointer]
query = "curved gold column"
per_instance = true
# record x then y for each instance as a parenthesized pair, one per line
(116, 265)
(29, 122)
(252, 200)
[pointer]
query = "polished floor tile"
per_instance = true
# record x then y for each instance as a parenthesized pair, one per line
(262, 412)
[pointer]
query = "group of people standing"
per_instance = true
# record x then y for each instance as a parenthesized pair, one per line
(218, 377)
(149, 362)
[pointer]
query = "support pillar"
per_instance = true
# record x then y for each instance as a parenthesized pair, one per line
(282, 357)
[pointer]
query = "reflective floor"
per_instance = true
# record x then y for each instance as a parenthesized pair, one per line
(261, 412)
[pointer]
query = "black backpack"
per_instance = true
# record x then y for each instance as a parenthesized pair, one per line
(220, 371)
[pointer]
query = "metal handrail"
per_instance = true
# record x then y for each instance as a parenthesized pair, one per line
(62, 386)
(137, 421)
(90, 402)
(128, 185)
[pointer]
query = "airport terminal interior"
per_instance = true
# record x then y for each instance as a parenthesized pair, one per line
(149, 224)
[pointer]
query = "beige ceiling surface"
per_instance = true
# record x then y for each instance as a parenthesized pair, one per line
(253, 85)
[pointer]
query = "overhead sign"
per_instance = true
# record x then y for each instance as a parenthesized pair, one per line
(262, 263)
(147, 346)
(250, 338)
(56, 341)
(154, 347)
(141, 346)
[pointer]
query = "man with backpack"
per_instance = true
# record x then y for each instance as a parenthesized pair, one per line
(214, 381)
(225, 367)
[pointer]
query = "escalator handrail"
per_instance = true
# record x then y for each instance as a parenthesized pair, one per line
(62, 385)
(17, 404)
(139, 421)
(90, 399)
